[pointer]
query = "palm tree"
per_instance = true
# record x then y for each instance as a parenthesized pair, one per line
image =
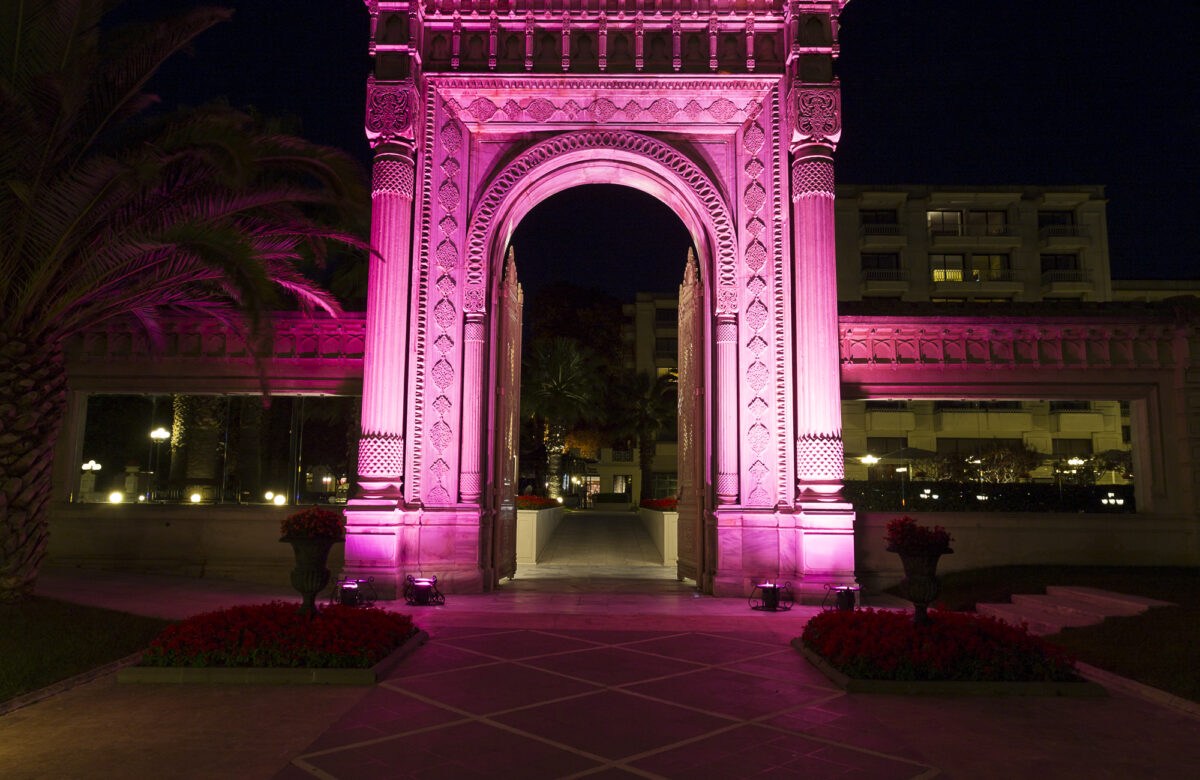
(105, 214)
(643, 407)
(560, 386)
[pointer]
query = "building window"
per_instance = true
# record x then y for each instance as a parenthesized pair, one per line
(1055, 218)
(880, 446)
(987, 223)
(663, 484)
(885, 406)
(664, 347)
(878, 217)
(991, 268)
(1060, 263)
(946, 268)
(1071, 448)
(881, 267)
(667, 317)
(944, 223)
(1070, 406)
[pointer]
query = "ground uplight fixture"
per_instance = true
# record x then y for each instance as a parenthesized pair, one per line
(280, 499)
(115, 497)
(423, 592)
(269, 495)
(771, 597)
(194, 498)
(844, 597)
(354, 593)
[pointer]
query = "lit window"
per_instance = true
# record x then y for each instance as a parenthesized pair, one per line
(946, 268)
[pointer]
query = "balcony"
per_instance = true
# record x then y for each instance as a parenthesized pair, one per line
(883, 281)
(974, 236)
(1064, 237)
(882, 236)
(983, 281)
(1066, 282)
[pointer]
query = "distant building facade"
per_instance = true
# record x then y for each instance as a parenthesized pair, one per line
(965, 247)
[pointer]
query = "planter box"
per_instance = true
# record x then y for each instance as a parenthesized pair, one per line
(534, 529)
(947, 687)
(247, 675)
(663, 528)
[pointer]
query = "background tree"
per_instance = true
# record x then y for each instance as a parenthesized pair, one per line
(560, 386)
(104, 214)
(1001, 462)
(642, 408)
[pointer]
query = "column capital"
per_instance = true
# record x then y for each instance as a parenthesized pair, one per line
(814, 115)
(393, 113)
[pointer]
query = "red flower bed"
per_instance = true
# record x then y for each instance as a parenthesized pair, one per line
(274, 635)
(881, 645)
(536, 502)
(661, 504)
(314, 523)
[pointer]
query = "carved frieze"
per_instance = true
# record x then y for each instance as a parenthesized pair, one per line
(661, 110)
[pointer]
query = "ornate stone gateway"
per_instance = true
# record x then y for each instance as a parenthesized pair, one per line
(727, 111)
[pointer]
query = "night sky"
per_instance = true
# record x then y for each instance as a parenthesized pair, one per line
(934, 91)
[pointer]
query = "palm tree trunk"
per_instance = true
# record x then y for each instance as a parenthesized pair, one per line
(646, 449)
(556, 439)
(33, 394)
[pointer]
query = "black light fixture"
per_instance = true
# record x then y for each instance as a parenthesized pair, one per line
(772, 597)
(423, 592)
(354, 593)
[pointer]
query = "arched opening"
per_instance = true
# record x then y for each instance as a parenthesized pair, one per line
(694, 213)
(600, 266)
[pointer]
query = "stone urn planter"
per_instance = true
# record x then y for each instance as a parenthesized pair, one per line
(312, 534)
(919, 548)
(920, 584)
(311, 574)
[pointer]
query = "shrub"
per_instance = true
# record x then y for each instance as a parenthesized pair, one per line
(314, 523)
(536, 502)
(275, 635)
(661, 504)
(885, 645)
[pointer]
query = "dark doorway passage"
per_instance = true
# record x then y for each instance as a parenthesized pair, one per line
(599, 552)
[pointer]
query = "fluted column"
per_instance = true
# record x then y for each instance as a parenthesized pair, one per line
(819, 463)
(381, 446)
(727, 423)
(470, 483)
(814, 116)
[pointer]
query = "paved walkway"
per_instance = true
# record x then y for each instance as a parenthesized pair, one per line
(552, 677)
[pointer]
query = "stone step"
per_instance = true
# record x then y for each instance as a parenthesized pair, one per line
(1073, 606)
(1039, 624)
(1105, 596)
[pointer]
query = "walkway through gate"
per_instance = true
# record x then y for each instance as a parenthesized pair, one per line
(726, 112)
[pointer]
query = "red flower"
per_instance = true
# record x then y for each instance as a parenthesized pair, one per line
(904, 534)
(275, 635)
(535, 502)
(314, 523)
(885, 645)
(661, 504)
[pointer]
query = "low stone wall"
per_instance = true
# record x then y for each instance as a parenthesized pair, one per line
(534, 529)
(230, 542)
(983, 539)
(663, 528)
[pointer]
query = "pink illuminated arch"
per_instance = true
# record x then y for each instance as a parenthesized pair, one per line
(608, 157)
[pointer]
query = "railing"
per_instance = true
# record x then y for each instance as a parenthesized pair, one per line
(954, 275)
(878, 229)
(883, 275)
(944, 231)
(622, 456)
(1076, 275)
(1062, 231)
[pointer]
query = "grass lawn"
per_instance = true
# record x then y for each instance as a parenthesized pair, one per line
(43, 641)
(1160, 647)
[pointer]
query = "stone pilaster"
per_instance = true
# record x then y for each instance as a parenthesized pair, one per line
(470, 482)
(727, 427)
